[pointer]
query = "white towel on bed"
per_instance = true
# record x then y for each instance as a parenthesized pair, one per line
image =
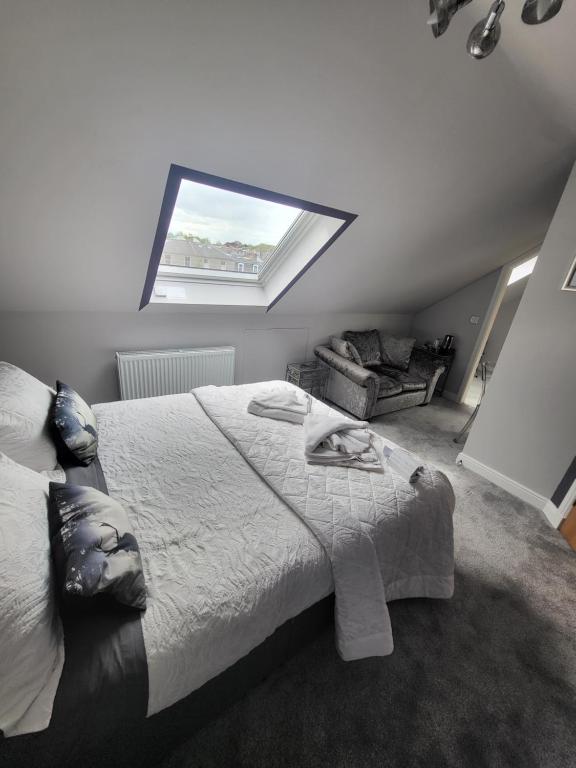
(281, 404)
(339, 441)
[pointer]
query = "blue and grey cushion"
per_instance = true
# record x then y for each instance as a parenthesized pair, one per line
(367, 344)
(397, 352)
(345, 349)
(96, 555)
(76, 424)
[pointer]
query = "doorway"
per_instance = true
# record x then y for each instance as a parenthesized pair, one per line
(507, 297)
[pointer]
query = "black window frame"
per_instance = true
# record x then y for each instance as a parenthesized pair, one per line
(177, 173)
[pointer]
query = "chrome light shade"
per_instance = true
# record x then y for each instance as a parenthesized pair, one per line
(539, 11)
(485, 35)
(441, 12)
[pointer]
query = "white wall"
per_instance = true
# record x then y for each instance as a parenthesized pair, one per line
(452, 166)
(526, 426)
(503, 321)
(79, 347)
(452, 315)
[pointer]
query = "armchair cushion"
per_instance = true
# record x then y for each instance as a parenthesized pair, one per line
(367, 344)
(388, 387)
(345, 349)
(397, 352)
(409, 382)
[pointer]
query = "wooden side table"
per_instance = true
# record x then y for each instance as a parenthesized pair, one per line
(446, 358)
(311, 376)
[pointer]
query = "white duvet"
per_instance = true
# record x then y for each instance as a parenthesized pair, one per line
(226, 560)
(363, 520)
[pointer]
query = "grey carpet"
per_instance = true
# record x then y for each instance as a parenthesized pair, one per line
(487, 679)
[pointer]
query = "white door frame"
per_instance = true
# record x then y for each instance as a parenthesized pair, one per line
(490, 317)
(555, 515)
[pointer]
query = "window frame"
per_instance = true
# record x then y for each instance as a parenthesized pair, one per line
(177, 173)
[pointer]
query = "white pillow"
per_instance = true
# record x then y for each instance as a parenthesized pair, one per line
(31, 639)
(25, 410)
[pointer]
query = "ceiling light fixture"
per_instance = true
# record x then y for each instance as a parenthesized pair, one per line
(441, 12)
(539, 11)
(486, 33)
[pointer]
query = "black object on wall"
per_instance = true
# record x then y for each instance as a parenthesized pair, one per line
(565, 484)
(447, 343)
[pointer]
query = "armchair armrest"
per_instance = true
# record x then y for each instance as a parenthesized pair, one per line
(357, 374)
(426, 368)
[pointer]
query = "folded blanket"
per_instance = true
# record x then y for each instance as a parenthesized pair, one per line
(402, 462)
(385, 539)
(281, 404)
(339, 441)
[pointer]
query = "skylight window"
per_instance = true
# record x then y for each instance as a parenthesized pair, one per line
(221, 242)
(215, 228)
(522, 270)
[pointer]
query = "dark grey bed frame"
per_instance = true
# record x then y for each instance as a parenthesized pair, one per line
(134, 741)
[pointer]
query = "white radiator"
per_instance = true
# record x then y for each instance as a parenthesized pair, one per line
(170, 371)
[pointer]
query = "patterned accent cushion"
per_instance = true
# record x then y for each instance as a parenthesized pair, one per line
(95, 552)
(76, 424)
(388, 387)
(345, 349)
(397, 352)
(367, 345)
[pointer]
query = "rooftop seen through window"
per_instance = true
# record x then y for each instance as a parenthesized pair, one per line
(215, 228)
(221, 242)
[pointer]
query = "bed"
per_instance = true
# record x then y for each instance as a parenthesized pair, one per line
(236, 578)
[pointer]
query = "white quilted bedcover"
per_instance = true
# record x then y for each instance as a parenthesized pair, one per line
(386, 538)
(226, 561)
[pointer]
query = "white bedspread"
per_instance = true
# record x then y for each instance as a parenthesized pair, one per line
(354, 514)
(226, 561)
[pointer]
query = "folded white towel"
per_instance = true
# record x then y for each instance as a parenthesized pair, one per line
(285, 399)
(339, 441)
(281, 404)
(404, 463)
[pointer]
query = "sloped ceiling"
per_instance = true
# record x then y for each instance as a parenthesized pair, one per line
(454, 166)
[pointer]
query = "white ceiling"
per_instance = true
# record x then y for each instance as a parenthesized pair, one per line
(454, 166)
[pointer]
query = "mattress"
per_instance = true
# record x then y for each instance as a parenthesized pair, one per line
(226, 561)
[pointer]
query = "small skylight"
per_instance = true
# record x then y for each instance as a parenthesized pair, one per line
(223, 242)
(522, 270)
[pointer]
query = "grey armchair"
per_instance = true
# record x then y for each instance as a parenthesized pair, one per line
(368, 392)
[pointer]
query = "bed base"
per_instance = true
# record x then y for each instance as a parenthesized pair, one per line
(143, 743)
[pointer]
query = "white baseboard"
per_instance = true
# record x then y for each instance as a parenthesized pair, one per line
(555, 514)
(503, 481)
(552, 514)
